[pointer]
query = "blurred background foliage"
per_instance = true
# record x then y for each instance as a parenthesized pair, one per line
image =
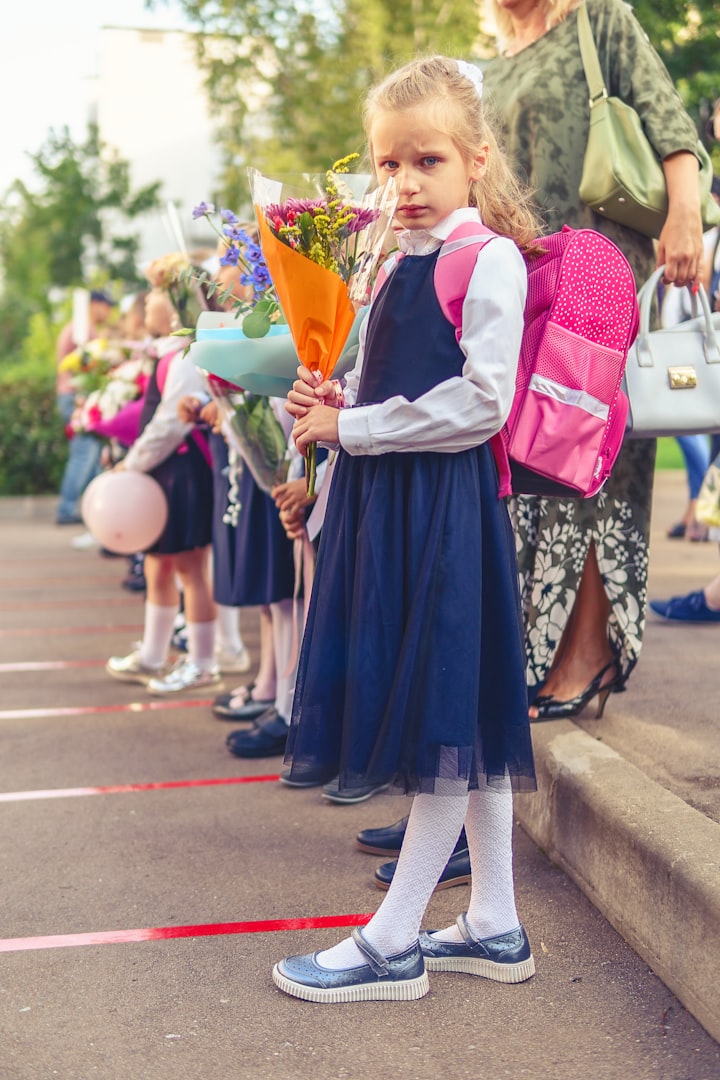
(310, 62)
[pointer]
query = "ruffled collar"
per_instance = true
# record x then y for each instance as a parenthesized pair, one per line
(423, 241)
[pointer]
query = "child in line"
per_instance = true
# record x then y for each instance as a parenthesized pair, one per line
(167, 451)
(412, 668)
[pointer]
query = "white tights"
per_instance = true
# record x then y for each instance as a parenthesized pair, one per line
(433, 828)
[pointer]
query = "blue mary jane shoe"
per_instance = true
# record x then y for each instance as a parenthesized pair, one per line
(506, 958)
(393, 978)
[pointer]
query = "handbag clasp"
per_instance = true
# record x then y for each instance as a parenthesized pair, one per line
(682, 378)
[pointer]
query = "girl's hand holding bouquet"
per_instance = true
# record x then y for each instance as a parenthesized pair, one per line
(314, 424)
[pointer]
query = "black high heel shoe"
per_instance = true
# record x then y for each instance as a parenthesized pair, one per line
(549, 708)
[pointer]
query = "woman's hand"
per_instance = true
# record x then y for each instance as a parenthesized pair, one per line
(680, 247)
(309, 390)
(317, 425)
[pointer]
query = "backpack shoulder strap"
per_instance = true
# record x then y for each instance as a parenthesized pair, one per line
(454, 268)
(161, 375)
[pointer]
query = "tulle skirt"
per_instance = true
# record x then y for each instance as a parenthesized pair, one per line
(412, 667)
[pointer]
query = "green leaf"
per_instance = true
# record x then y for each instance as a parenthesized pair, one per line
(256, 324)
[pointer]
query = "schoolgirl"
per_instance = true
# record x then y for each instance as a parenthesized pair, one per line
(412, 668)
(167, 449)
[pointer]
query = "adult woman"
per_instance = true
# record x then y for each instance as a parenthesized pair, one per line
(583, 563)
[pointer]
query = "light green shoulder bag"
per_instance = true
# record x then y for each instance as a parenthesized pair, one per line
(622, 177)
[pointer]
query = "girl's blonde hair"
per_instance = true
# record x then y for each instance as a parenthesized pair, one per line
(453, 105)
(555, 12)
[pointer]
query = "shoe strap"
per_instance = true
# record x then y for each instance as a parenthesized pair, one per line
(376, 961)
(465, 930)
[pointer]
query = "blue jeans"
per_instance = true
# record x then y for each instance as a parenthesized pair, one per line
(82, 466)
(696, 451)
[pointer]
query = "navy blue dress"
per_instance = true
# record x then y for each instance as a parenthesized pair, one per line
(186, 479)
(412, 667)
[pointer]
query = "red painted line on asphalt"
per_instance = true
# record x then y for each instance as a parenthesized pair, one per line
(48, 665)
(48, 631)
(165, 933)
(88, 710)
(121, 789)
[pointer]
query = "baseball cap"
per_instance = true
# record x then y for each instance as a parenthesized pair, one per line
(103, 297)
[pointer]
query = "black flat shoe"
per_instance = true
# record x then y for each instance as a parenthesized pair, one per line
(388, 840)
(550, 708)
(457, 872)
(267, 738)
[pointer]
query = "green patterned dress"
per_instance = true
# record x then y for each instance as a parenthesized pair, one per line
(541, 98)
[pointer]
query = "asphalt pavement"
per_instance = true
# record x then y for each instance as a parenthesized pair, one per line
(149, 880)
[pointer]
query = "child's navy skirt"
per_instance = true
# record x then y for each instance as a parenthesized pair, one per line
(412, 668)
(258, 566)
(186, 479)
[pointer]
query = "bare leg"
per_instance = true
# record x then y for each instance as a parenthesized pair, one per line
(584, 648)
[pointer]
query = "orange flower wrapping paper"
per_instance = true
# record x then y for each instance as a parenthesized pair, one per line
(314, 301)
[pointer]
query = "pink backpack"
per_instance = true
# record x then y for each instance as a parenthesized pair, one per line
(567, 420)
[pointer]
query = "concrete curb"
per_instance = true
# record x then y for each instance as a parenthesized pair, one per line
(648, 861)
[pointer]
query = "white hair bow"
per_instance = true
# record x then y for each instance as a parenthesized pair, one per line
(472, 73)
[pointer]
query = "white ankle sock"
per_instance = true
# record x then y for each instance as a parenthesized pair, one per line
(227, 629)
(432, 830)
(489, 826)
(282, 614)
(157, 634)
(201, 644)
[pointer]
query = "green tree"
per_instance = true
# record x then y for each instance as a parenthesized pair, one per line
(288, 78)
(74, 223)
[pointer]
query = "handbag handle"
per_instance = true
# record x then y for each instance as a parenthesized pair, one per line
(645, 299)
(589, 56)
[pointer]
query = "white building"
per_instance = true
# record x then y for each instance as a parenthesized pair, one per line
(153, 109)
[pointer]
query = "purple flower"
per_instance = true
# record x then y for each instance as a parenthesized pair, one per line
(362, 219)
(203, 209)
(227, 215)
(231, 257)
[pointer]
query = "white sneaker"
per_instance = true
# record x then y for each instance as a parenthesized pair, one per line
(184, 677)
(84, 542)
(131, 668)
(229, 662)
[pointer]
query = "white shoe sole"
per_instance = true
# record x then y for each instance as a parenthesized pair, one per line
(406, 990)
(128, 677)
(201, 689)
(487, 969)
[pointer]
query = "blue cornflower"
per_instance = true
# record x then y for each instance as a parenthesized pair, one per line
(227, 215)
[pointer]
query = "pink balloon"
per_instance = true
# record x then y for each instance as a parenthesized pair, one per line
(125, 511)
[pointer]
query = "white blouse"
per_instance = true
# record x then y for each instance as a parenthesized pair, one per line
(166, 431)
(466, 410)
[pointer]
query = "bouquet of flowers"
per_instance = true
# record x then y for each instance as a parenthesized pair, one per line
(113, 410)
(253, 430)
(89, 364)
(254, 433)
(323, 238)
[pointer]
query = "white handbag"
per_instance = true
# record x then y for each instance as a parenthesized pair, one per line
(672, 376)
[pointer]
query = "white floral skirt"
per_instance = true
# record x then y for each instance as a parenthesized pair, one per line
(553, 537)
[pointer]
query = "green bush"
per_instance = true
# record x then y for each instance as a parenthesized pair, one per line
(33, 445)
